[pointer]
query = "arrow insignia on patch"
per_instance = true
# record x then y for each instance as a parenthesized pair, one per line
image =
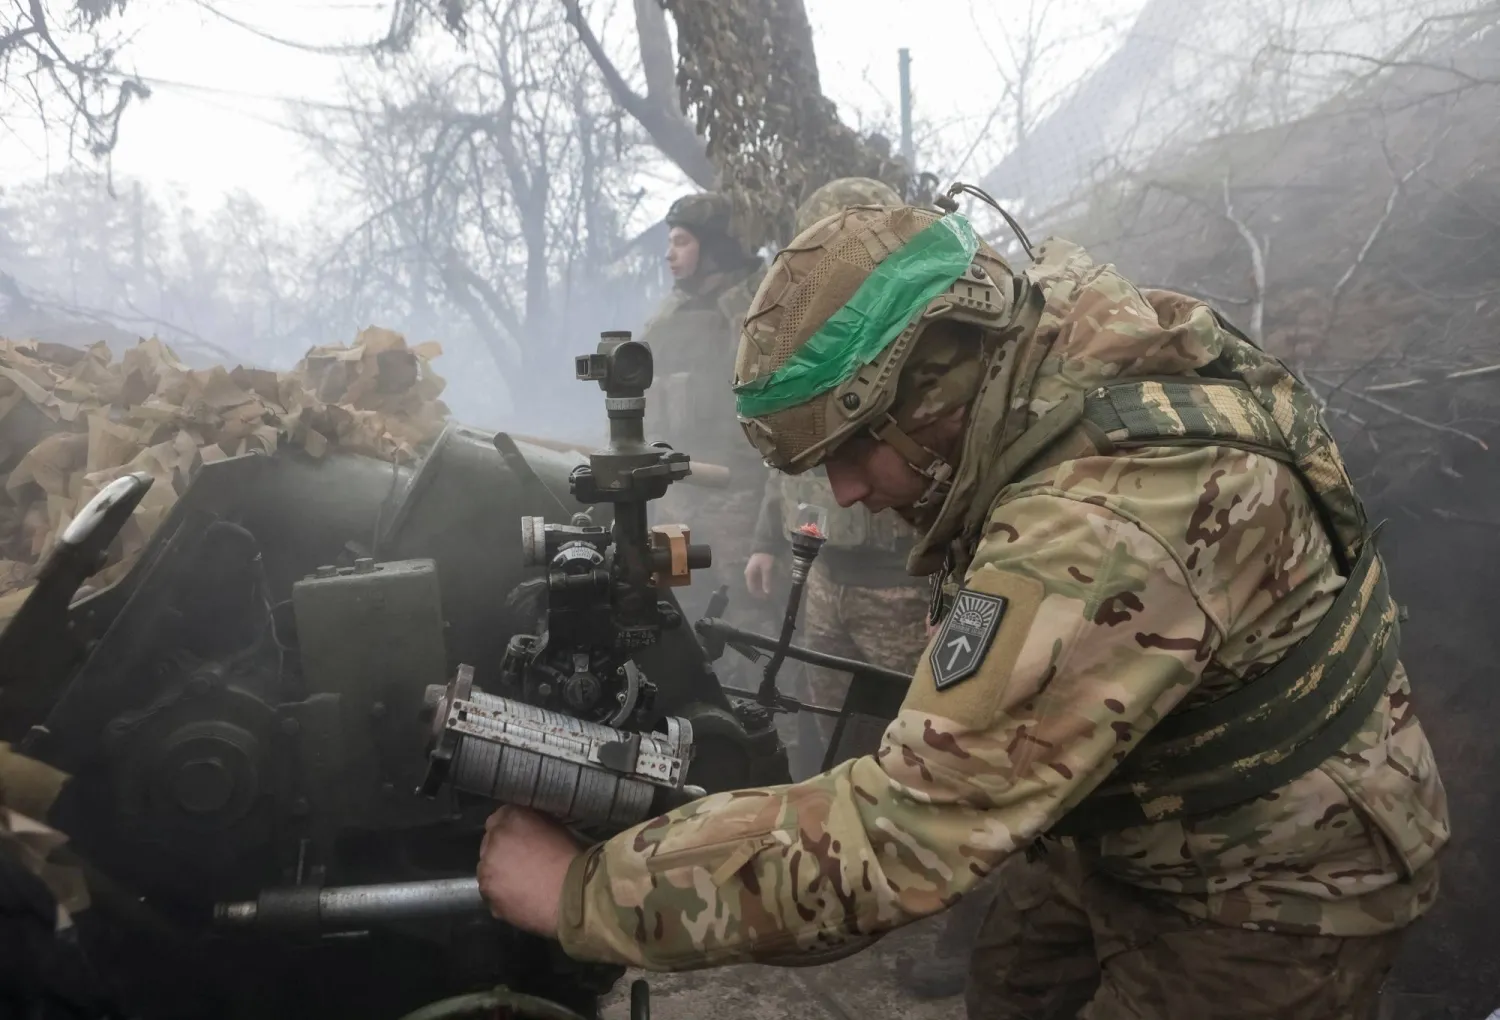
(965, 637)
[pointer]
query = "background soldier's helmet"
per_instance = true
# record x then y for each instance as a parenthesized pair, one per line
(836, 196)
(870, 321)
(704, 213)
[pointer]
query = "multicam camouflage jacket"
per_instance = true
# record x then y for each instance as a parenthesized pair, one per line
(1137, 583)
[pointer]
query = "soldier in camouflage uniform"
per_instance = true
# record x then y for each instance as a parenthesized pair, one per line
(693, 337)
(859, 601)
(1165, 665)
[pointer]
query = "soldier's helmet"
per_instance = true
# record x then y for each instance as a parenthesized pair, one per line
(841, 194)
(862, 326)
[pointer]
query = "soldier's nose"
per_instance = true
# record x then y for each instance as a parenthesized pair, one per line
(847, 482)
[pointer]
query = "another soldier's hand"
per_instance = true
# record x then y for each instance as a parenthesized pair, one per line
(523, 863)
(758, 574)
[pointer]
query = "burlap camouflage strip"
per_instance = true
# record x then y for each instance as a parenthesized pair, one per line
(73, 420)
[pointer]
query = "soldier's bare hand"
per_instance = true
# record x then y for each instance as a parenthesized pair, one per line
(758, 574)
(523, 863)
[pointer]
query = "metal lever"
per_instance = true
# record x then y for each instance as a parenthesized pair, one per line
(34, 645)
(808, 536)
(640, 1000)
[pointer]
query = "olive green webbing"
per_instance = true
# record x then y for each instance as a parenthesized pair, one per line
(1197, 411)
(1141, 412)
(1282, 723)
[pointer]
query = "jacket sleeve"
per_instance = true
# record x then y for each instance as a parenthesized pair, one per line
(1100, 635)
(768, 525)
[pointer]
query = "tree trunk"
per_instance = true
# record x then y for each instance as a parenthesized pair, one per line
(656, 53)
(749, 74)
(655, 111)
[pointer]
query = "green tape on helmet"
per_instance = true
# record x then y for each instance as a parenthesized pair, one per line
(855, 335)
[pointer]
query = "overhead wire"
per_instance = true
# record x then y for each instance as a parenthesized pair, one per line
(299, 101)
(386, 42)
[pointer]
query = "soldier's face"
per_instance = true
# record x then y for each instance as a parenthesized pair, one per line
(682, 253)
(865, 470)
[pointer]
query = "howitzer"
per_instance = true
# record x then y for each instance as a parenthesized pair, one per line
(247, 719)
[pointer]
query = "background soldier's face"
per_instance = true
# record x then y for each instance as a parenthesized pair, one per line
(682, 253)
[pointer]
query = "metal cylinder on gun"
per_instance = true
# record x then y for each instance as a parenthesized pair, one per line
(574, 770)
(355, 906)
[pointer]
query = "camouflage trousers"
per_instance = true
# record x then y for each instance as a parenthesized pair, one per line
(883, 626)
(1060, 942)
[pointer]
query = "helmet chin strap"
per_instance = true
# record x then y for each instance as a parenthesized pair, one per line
(927, 463)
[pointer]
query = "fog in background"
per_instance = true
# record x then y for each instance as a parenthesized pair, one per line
(293, 176)
(1326, 172)
(289, 180)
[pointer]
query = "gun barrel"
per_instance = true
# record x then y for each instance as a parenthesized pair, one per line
(352, 906)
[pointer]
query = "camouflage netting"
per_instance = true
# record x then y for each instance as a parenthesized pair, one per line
(73, 420)
(749, 78)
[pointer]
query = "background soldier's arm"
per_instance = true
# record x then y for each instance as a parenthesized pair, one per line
(1101, 636)
(769, 537)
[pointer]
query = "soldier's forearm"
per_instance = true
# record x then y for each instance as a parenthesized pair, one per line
(766, 875)
(768, 535)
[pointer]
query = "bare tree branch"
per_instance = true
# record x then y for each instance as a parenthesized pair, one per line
(1478, 522)
(669, 129)
(1258, 250)
(1468, 373)
(480, 300)
(1397, 187)
(1405, 416)
(87, 84)
(398, 35)
(656, 53)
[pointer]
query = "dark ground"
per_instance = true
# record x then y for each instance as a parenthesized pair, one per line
(862, 987)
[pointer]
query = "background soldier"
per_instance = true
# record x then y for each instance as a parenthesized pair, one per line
(1165, 643)
(859, 601)
(693, 337)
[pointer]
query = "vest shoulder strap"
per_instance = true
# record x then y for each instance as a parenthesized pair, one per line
(1135, 413)
(1191, 412)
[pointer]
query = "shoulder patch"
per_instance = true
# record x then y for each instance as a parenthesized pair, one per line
(965, 637)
